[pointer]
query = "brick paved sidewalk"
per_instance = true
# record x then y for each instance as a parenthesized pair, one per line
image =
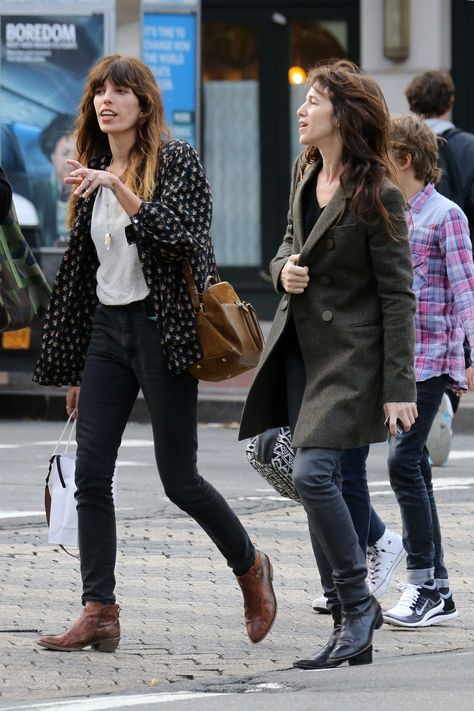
(181, 608)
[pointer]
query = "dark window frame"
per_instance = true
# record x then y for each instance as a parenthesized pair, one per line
(252, 283)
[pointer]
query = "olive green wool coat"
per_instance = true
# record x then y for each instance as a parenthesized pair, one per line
(354, 323)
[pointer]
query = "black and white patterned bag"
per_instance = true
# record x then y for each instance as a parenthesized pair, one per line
(271, 455)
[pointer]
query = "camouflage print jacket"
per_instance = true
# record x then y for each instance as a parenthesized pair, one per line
(175, 224)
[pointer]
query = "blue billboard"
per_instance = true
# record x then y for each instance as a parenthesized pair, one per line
(170, 50)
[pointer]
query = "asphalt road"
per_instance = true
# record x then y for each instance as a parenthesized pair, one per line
(25, 449)
(432, 682)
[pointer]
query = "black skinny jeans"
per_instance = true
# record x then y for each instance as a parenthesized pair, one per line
(411, 479)
(124, 355)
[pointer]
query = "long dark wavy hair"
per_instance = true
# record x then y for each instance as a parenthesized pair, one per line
(363, 121)
(152, 129)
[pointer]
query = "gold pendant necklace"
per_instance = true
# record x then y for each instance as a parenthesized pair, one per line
(108, 234)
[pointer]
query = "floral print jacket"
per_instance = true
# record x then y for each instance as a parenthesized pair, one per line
(175, 224)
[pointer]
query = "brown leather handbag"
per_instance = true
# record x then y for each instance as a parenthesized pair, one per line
(228, 330)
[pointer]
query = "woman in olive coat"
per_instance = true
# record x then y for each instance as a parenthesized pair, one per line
(339, 356)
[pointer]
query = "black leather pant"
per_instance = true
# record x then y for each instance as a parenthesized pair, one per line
(317, 478)
(125, 354)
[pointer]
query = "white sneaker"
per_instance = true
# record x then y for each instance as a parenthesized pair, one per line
(417, 607)
(449, 611)
(320, 604)
(382, 560)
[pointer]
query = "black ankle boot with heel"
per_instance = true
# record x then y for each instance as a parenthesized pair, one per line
(351, 639)
(321, 660)
(354, 642)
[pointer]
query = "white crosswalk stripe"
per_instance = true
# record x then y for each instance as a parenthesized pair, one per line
(108, 703)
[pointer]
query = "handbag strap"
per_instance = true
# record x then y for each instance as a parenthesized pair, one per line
(62, 435)
(191, 284)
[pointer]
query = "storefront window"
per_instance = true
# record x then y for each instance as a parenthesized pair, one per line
(231, 139)
(310, 43)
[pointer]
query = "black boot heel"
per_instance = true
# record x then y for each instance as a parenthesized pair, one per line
(357, 628)
(364, 657)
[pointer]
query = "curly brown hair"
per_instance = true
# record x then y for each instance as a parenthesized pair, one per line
(412, 136)
(363, 120)
(152, 129)
(431, 94)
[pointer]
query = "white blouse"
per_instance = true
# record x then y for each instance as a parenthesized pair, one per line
(120, 277)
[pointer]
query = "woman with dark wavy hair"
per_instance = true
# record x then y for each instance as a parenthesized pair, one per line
(339, 356)
(121, 319)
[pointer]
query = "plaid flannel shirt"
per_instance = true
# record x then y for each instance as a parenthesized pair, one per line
(443, 284)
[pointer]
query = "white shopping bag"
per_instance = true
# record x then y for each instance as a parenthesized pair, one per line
(61, 511)
(63, 514)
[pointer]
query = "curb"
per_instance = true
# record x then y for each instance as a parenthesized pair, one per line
(17, 405)
(214, 405)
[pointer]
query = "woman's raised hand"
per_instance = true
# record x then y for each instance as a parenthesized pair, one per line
(294, 279)
(88, 180)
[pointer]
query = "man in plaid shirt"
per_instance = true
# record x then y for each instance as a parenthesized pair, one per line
(444, 288)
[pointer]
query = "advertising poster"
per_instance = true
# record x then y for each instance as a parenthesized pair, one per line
(169, 49)
(44, 62)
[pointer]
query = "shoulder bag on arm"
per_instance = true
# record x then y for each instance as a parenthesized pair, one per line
(228, 330)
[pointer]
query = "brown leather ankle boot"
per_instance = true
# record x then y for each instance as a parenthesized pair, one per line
(98, 627)
(259, 599)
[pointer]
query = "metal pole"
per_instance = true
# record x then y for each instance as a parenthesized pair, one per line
(128, 37)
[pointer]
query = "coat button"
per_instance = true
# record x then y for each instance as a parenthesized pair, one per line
(325, 280)
(326, 315)
(284, 305)
(330, 243)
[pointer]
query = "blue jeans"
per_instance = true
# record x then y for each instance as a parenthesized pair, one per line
(124, 355)
(367, 523)
(376, 528)
(411, 480)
